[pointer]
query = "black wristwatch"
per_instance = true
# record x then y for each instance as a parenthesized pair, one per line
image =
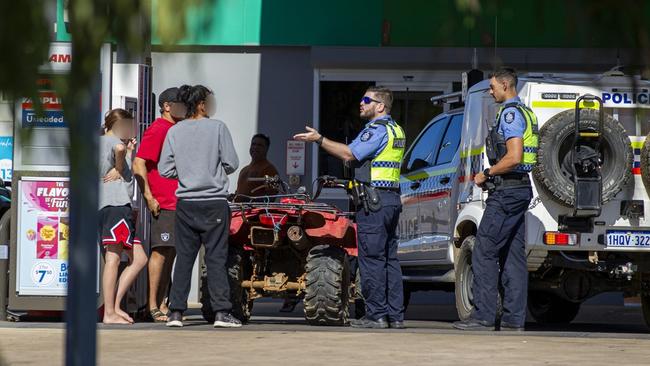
(320, 140)
(486, 173)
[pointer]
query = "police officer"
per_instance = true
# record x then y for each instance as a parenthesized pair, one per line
(376, 154)
(511, 147)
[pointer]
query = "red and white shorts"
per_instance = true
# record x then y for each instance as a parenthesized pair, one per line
(117, 226)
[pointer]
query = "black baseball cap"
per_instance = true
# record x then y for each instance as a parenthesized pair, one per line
(168, 96)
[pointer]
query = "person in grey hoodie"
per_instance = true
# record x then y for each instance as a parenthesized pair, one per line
(199, 152)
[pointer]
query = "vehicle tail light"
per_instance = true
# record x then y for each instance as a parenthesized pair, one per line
(270, 220)
(556, 238)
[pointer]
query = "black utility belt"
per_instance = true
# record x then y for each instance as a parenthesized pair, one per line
(520, 177)
(508, 181)
(365, 196)
(387, 189)
(512, 184)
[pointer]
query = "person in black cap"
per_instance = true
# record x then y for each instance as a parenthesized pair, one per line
(160, 195)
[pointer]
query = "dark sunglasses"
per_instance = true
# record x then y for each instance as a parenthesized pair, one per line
(368, 100)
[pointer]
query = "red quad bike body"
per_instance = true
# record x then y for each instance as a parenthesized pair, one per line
(290, 247)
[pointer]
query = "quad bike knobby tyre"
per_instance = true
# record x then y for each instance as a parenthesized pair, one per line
(327, 282)
(553, 172)
(238, 266)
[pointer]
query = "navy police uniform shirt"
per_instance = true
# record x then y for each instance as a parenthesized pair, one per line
(371, 141)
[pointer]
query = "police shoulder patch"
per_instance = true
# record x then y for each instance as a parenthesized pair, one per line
(509, 117)
(366, 135)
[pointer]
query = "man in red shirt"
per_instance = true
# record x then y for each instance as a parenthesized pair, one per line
(160, 195)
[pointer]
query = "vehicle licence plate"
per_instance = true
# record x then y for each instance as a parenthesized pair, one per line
(628, 239)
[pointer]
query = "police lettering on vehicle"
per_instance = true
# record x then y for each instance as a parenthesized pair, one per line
(626, 98)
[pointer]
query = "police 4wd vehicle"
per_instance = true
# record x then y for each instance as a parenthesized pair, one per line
(588, 225)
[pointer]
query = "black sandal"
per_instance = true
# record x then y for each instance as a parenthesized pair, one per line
(158, 316)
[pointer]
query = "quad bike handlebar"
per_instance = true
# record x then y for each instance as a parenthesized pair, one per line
(276, 182)
(353, 187)
(300, 199)
(273, 182)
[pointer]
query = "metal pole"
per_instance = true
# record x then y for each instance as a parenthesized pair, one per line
(81, 306)
(5, 230)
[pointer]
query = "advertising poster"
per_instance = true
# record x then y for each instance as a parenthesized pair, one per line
(43, 236)
(6, 157)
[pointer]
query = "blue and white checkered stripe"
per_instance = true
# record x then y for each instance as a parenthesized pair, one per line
(385, 184)
(386, 164)
(525, 168)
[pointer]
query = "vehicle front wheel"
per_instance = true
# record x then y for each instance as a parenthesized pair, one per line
(464, 278)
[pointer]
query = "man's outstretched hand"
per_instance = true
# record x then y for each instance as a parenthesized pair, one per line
(310, 136)
(337, 149)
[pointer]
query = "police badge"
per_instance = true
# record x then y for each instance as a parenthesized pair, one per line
(366, 135)
(509, 117)
(164, 237)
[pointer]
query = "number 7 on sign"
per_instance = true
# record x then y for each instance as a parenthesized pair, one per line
(42, 273)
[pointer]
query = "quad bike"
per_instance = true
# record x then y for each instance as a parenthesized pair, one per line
(288, 246)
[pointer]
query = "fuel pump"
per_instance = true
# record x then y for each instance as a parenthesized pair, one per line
(39, 225)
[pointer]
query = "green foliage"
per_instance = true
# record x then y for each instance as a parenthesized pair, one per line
(24, 32)
(24, 38)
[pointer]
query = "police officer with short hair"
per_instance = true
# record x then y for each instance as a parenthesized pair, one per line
(499, 253)
(377, 154)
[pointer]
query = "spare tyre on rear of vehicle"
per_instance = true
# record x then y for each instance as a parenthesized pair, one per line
(553, 172)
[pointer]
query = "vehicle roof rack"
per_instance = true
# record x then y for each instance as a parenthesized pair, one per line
(455, 97)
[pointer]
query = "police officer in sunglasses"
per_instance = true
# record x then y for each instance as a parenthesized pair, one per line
(376, 154)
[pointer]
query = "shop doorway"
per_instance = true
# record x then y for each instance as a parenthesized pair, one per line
(336, 97)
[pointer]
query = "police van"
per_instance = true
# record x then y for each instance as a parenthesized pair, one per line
(588, 225)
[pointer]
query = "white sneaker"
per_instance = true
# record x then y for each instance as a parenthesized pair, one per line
(175, 320)
(226, 320)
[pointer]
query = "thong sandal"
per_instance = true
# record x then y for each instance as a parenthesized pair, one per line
(158, 316)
